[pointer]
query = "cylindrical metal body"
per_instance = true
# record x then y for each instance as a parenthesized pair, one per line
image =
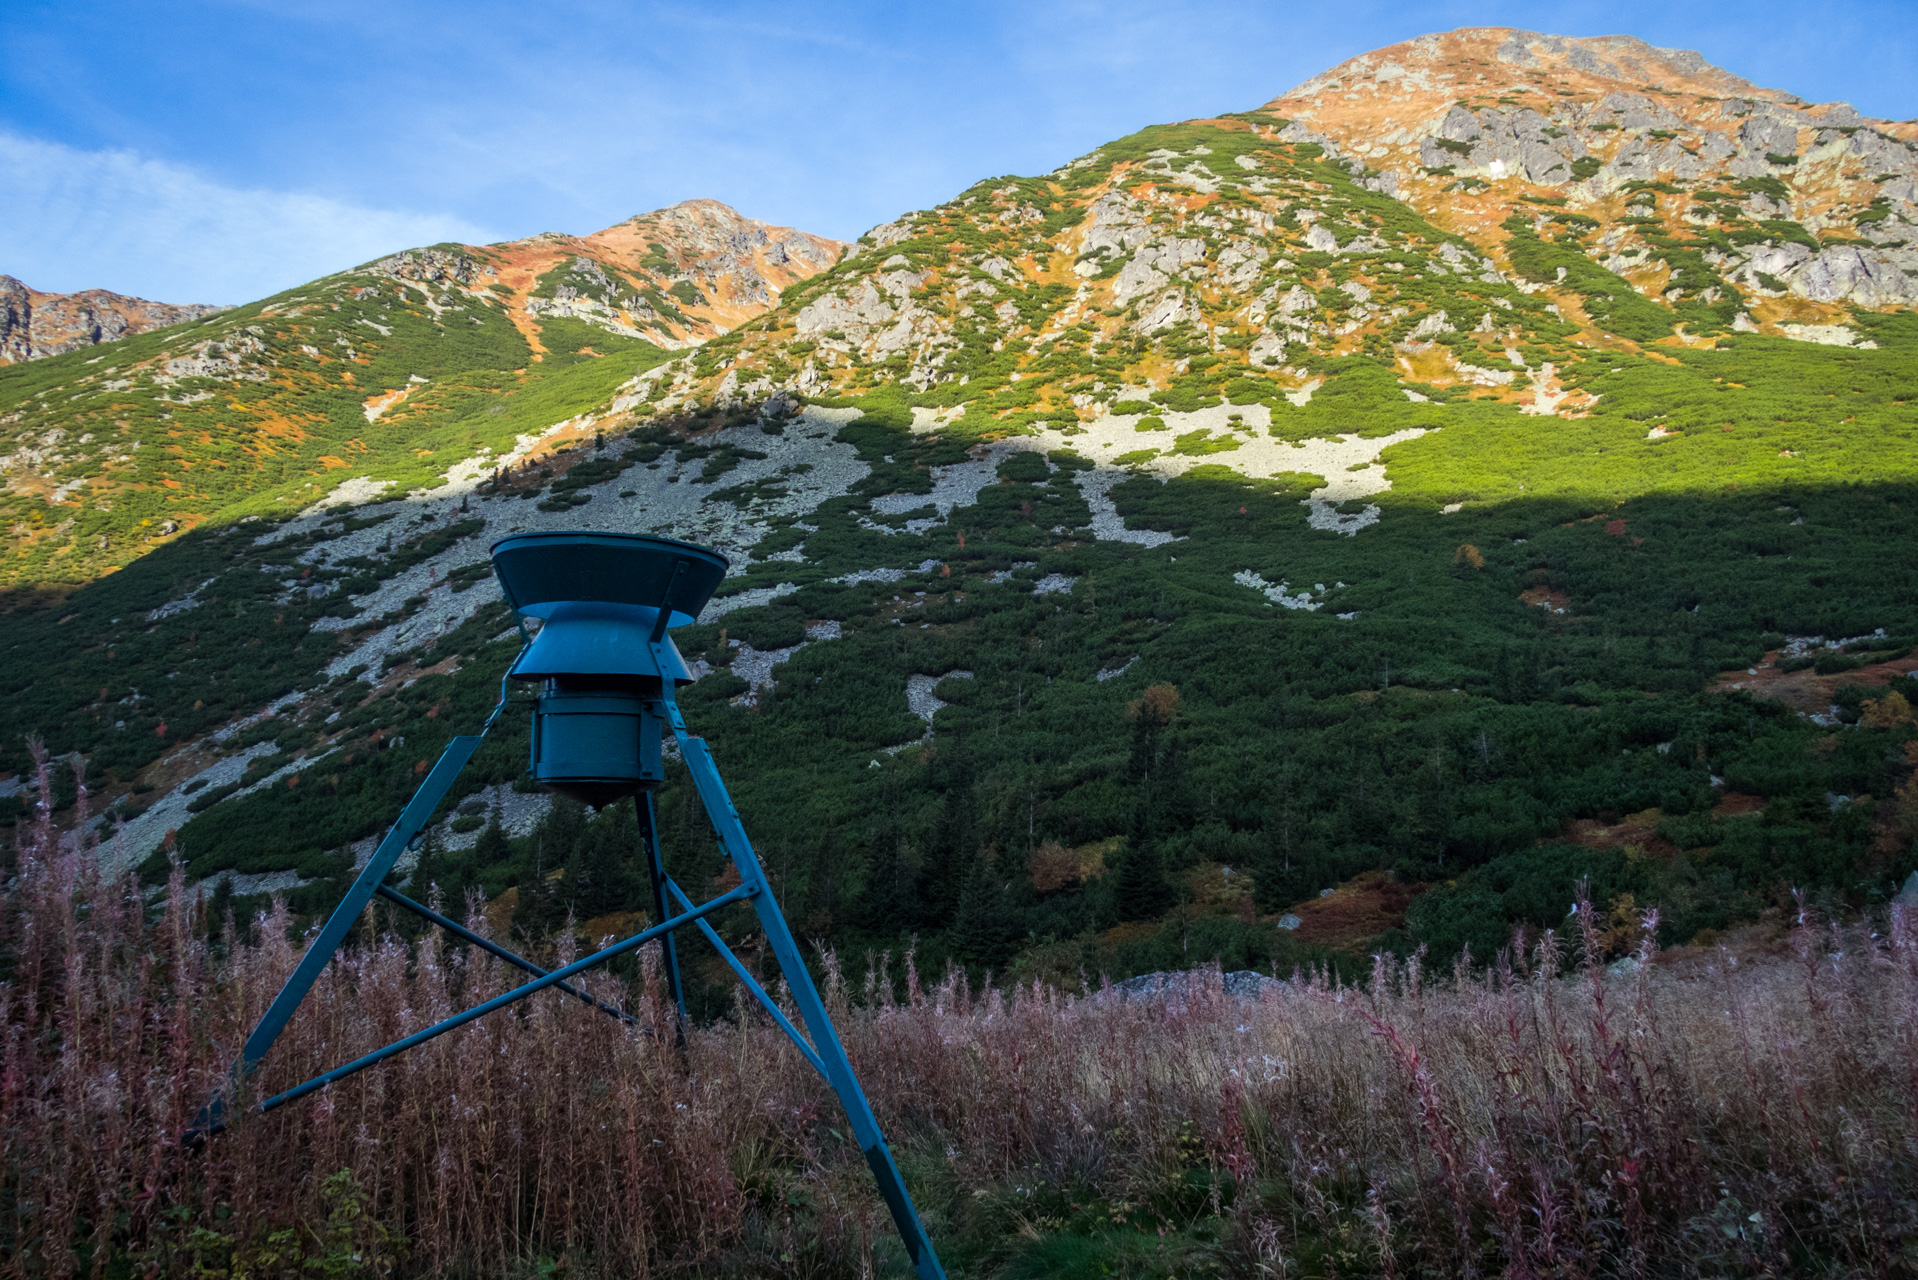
(596, 743)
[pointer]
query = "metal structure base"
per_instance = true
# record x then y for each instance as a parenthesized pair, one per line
(823, 1050)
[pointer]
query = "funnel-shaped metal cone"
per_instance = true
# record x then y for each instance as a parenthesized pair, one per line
(540, 570)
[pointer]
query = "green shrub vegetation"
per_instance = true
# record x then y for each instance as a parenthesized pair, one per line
(269, 426)
(1424, 721)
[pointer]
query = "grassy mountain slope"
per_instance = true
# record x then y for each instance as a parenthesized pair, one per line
(390, 373)
(1123, 558)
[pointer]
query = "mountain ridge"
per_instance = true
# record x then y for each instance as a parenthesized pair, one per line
(1747, 214)
(35, 324)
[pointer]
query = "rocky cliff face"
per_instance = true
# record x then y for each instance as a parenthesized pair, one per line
(34, 324)
(1650, 156)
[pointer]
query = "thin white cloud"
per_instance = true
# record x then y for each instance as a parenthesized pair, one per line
(115, 220)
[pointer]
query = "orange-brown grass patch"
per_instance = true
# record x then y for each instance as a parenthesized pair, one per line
(1546, 598)
(1637, 829)
(1355, 912)
(1433, 363)
(374, 406)
(1735, 804)
(1806, 690)
(604, 930)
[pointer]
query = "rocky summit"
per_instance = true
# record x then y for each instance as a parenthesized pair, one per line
(675, 277)
(1675, 174)
(34, 325)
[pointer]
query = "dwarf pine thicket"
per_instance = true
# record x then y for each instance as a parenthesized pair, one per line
(1446, 734)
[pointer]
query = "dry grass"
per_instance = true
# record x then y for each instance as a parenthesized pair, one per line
(1541, 1118)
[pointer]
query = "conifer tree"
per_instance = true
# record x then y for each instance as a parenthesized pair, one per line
(606, 865)
(492, 846)
(981, 930)
(1139, 889)
(433, 868)
(539, 910)
(889, 899)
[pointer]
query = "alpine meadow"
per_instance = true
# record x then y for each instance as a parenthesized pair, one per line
(1328, 691)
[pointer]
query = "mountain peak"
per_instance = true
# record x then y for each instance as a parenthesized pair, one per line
(1649, 158)
(1502, 57)
(1507, 64)
(736, 266)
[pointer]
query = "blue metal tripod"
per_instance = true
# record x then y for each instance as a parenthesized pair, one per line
(608, 671)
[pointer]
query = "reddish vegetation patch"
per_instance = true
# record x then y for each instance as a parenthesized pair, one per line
(1639, 829)
(1356, 911)
(1807, 690)
(1546, 598)
(1735, 804)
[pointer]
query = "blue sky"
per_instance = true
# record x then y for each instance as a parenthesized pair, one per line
(219, 151)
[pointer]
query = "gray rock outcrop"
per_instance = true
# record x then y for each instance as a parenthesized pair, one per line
(1184, 984)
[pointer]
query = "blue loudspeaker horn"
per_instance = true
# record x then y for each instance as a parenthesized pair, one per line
(602, 654)
(607, 674)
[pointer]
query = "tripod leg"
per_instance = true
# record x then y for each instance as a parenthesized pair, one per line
(656, 869)
(412, 820)
(839, 1072)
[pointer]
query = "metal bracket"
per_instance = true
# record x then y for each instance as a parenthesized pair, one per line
(556, 978)
(412, 820)
(520, 962)
(752, 985)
